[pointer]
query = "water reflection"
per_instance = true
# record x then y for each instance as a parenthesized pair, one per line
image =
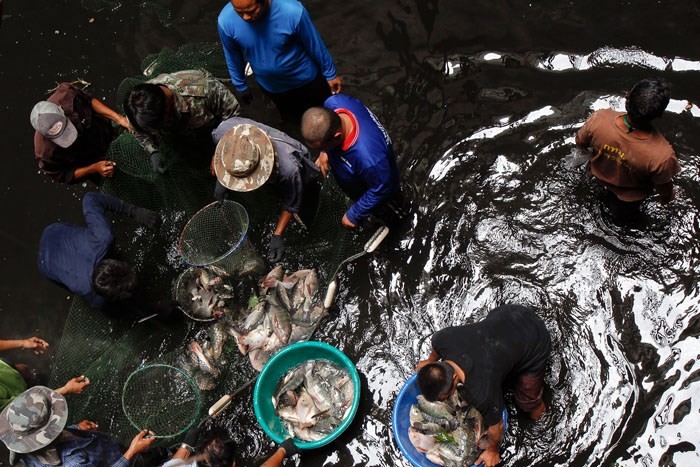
(484, 126)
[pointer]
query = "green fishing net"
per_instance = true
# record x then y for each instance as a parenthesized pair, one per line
(107, 349)
(161, 398)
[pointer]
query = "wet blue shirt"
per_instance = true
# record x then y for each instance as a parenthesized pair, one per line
(366, 171)
(283, 47)
(68, 253)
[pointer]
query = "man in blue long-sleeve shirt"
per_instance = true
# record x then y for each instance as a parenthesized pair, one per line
(290, 61)
(74, 256)
(358, 152)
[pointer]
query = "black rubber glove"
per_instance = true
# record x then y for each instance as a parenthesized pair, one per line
(289, 447)
(157, 164)
(244, 97)
(146, 217)
(276, 248)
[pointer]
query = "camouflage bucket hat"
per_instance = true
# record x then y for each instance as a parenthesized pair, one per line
(244, 158)
(33, 420)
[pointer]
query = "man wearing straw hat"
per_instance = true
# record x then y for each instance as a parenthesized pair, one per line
(249, 155)
(33, 427)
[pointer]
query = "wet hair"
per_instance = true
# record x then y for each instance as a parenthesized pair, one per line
(114, 280)
(319, 125)
(145, 107)
(646, 101)
(435, 379)
(217, 448)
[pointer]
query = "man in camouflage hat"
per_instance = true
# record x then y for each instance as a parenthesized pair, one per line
(249, 155)
(33, 427)
(173, 103)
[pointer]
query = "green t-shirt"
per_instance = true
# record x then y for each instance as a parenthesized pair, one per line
(11, 384)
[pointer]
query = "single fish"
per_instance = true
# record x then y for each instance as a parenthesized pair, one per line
(281, 323)
(317, 390)
(424, 443)
(272, 278)
(201, 361)
(217, 337)
(291, 381)
(255, 338)
(310, 288)
(306, 410)
(258, 359)
(435, 409)
(255, 316)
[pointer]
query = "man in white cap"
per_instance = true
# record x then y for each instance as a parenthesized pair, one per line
(33, 427)
(72, 135)
(249, 155)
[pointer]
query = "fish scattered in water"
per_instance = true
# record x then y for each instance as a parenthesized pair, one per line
(313, 398)
(287, 312)
(447, 432)
(208, 294)
(203, 361)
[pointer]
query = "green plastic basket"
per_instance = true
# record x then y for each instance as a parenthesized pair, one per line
(277, 366)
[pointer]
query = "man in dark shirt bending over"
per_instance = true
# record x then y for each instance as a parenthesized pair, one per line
(510, 345)
(75, 257)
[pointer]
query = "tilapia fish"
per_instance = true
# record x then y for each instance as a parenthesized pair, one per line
(208, 294)
(445, 432)
(313, 398)
(287, 312)
(203, 362)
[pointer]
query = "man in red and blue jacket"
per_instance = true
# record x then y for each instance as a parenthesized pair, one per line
(358, 151)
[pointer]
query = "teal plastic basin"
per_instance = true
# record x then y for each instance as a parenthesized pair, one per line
(277, 366)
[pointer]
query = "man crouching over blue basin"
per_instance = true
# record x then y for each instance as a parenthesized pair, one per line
(511, 345)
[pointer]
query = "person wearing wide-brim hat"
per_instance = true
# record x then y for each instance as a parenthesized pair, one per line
(249, 155)
(33, 428)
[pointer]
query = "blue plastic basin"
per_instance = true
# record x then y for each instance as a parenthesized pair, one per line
(400, 422)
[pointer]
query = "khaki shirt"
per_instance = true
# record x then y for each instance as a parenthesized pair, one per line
(630, 165)
(200, 100)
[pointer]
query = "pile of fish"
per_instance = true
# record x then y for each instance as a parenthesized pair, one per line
(287, 312)
(447, 433)
(313, 398)
(203, 361)
(206, 293)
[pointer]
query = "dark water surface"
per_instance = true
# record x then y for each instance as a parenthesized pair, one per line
(482, 100)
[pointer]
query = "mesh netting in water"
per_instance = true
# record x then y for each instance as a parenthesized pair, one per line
(162, 399)
(217, 236)
(108, 350)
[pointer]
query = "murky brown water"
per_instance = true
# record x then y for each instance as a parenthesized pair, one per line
(482, 100)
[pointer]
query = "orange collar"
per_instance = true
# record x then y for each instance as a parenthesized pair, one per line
(354, 133)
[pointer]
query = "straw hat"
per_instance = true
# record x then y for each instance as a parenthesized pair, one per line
(244, 158)
(33, 420)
